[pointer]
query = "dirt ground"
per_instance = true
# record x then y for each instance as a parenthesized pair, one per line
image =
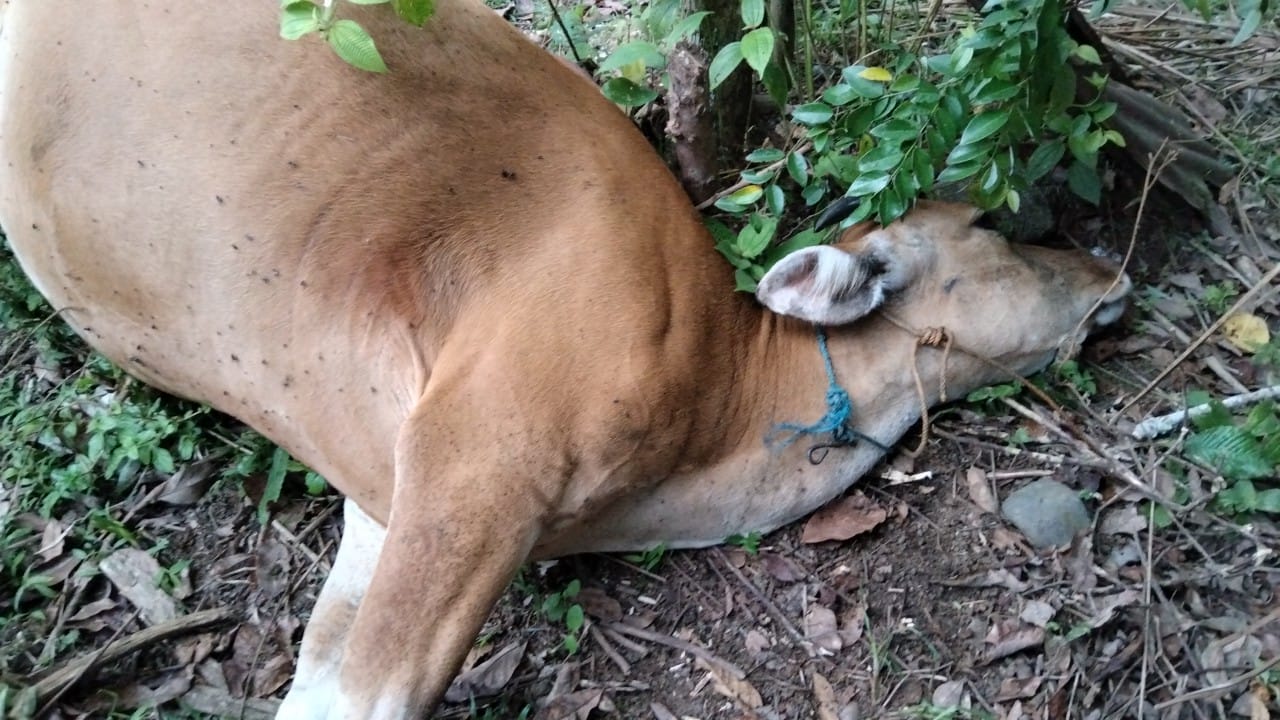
(938, 608)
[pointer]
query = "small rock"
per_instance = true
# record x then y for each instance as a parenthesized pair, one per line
(1047, 512)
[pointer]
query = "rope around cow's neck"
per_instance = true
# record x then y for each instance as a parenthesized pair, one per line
(836, 421)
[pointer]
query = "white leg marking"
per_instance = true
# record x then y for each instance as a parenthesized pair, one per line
(314, 694)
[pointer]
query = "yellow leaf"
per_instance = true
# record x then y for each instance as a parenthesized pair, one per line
(876, 74)
(633, 71)
(1247, 332)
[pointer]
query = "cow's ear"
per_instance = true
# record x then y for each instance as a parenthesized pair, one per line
(825, 285)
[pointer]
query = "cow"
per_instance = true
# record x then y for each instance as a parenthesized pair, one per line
(470, 295)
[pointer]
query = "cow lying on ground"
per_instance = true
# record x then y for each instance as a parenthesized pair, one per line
(471, 296)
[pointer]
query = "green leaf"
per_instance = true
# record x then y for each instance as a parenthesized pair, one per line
(923, 168)
(756, 235)
(869, 184)
(966, 152)
(775, 200)
(1088, 54)
(775, 83)
(368, 2)
(994, 90)
(275, 482)
(1231, 450)
(724, 63)
(757, 48)
(1045, 159)
(952, 173)
(814, 193)
(813, 113)
(853, 77)
(298, 19)
(414, 12)
(1248, 26)
(624, 92)
(765, 155)
(984, 126)
(839, 94)
(798, 168)
(882, 158)
(638, 51)
(1084, 181)
(744, 281)
(162, 460)
(684, 29)
(752, 13)
(1268, 501)
(892, 206)
(353, 44)
(573, 618)
(990, 180)
(896, 130)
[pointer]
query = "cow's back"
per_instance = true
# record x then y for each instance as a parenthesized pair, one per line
(250, 222)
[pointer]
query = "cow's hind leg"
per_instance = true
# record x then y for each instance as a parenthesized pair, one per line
(315, 683)
(463, 519)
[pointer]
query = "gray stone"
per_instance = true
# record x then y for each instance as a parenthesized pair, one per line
(1047, 512)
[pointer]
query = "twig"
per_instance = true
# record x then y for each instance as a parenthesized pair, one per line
(62, 679)
(1161, 424)
(766, 602)
(802, 147)
(1265, 282)
(1219, 689)
(611, 652)
(672, 642)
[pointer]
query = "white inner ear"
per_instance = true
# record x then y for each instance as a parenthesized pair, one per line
(822, 285)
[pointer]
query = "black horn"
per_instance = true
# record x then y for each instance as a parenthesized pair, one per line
(836, 211)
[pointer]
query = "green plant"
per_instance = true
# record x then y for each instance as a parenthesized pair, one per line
(348, 39)
(1081, 379)
(650, 558)
(559, 607)
(748, 541)
(961, 113)
(1218, 297)
(1245, 453)
(635, 69)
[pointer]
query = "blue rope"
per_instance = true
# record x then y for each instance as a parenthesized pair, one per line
(835, 422)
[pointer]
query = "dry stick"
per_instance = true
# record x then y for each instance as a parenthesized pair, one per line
(676, 643)
(1146, 616)
(62, 679)
(1263, 283)
(766, 602)
(611, 652)
(1159, 425)
(1216, 690)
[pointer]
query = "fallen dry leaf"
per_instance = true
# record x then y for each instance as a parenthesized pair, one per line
(52, 540)
(572, 706)
(781, 568)
(134, 573)
(949, 694)
(756, 642)
(845, 518)
(272, 568)
(980, 490)
(1246, 331)
(489, 677)
(1037, 612)
(598, 604)
(660, 712)
(189, 483)
(1018, 688)
(852, 624)
(826, 698)
(93, 609)
(1010, 636)
(730, 686)
(1122, 521)
(820, 627)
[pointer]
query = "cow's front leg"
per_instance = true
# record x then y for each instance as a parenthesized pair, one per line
(463, 518)
(315, 681)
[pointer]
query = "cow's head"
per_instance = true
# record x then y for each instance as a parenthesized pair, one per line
(1015, 304)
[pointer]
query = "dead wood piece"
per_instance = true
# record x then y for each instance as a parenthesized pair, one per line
(696, 651)
(689, 123)
(78, 668)
(1159, 425)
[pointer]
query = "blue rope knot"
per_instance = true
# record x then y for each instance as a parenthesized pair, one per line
(835, 422)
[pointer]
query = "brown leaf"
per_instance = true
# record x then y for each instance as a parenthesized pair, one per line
(852, 623)
(781, 568)
(573, 706)
(271, 675)
(1015, 688)
(826, 698)
(597, 603)
(729, 685)
(845, 518)
(756, 642)
(52, 540)
(1010, 636)
(93, 609)
(272, 569)
(1037, 612)
(660, 712)
(134, 573)
(189, 483)
(980, 490)
(489, 677)
(949, 694)
(820, 627)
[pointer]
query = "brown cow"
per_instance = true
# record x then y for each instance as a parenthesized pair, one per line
(470, 295)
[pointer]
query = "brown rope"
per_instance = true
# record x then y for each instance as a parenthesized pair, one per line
(933, 337)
